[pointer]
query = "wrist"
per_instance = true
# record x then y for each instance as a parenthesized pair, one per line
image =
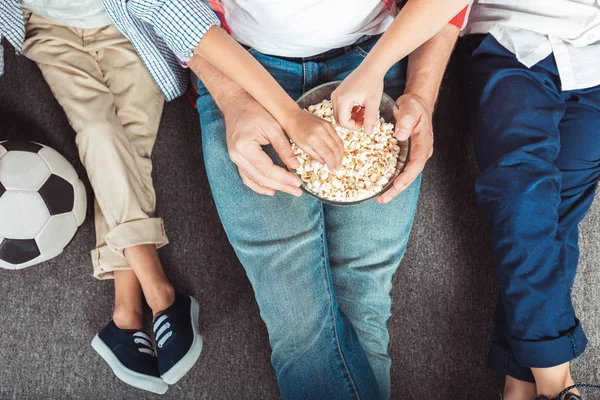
(232, 96)
(373, 68)
(287, 115)
(426, 100)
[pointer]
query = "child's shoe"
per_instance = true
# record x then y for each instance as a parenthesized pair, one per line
(567, 395)
(178, 339)
(129, 353)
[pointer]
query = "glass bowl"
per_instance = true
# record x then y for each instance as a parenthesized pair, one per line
(386, 111)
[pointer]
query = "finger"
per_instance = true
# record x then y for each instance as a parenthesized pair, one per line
(412, 171)
(258, 165)
(271, 172)
(342, 112)
(371, 114)
(326, 151)
(390, 194)
(419, 157)
(335, 143)
(282, 146)
(405, 124)
(311, 151)
(255, 186)
(252, 156)
(260, 169)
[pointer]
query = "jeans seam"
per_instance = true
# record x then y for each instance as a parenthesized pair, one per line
(573, 345)
(360, 51)
(303, 77)
(327, 71)
(329, 288)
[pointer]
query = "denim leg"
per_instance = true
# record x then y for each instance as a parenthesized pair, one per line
(366, 245)
(579, 162)
(515, 116)
(282, 244)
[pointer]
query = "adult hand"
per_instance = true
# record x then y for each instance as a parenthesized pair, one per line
(316, 137)
(364, 88)
(248, 127)
(414, 119)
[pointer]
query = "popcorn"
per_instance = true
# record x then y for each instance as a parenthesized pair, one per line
(369, 162)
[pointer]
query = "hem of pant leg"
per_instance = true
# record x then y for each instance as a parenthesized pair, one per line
(501, 361)
(135, 233)
(103, 269)
(552, 352)
(329, 288)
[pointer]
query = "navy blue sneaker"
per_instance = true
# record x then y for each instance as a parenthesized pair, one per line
(129, 353)
(178, 339)
(567, 395)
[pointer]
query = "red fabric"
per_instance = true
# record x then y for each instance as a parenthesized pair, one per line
(218, 8)
(389, 3)
(460, 19)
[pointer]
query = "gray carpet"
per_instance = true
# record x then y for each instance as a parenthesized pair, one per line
(443, 292)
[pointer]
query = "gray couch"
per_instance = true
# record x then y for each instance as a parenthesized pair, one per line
(444, 290)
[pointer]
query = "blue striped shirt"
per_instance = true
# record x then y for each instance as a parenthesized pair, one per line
(163, 32)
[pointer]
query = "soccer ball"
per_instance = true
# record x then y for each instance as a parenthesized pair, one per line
(42, 203)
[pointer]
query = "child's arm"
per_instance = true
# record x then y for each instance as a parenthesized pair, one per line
(190, 26)
(314, 135)
(417, 22)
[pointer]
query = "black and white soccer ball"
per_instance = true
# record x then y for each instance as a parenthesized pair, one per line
(42, 203)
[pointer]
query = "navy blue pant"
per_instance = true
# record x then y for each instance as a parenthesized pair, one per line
(538, 148)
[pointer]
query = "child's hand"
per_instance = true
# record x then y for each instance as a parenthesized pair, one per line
(363, 88)
(316, 137)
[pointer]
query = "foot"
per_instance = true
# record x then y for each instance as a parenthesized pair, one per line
(160, 297)
(570, 393)
(551, 381)
(178, 338)
(568, 396)
(127, 319)
(129, 353)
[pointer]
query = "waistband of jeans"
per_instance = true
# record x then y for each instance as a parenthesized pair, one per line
(364, 40)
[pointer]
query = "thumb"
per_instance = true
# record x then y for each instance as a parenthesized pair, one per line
(405, 125)
(342, 112)
(371, 114)
(282, 146)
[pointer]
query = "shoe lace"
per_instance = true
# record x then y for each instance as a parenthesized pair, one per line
(567, 390)
(162, 331)
(142, 339)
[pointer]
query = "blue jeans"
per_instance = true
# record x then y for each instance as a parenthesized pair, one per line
(321, 274)
(538, 148)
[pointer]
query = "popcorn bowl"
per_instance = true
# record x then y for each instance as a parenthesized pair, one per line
(386, 110)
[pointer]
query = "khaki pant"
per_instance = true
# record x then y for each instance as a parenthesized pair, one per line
(114, 107)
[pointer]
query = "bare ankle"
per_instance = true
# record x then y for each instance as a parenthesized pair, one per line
(552, 381)
(126, 318)
(515, 389)
(160, 297)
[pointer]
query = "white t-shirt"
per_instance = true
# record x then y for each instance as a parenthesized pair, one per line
(304, 28)
(84, 14)
(534, 29)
